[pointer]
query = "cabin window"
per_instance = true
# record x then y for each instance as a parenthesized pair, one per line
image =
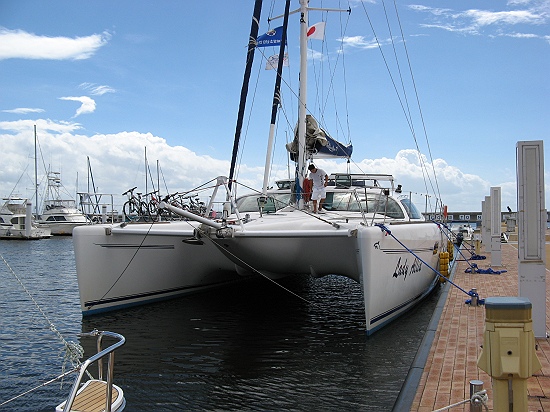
(250, 203)
(371, 204)
(411, 209)
(56, 219)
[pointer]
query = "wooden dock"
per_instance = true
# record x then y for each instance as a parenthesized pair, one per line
(450, 363)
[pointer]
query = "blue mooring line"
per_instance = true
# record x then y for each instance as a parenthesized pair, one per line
(458, 249)
(471, 293)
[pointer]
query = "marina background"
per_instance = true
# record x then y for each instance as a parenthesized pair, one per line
(252, 346)
(115, 85)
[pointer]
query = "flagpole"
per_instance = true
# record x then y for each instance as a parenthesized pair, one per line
(276, 99)
(302, 98)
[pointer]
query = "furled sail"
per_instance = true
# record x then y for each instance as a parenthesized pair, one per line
(318, 142)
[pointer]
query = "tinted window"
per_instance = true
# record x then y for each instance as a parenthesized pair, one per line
(250, 203)
(371, 204)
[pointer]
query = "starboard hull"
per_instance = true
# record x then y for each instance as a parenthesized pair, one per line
(393, 278)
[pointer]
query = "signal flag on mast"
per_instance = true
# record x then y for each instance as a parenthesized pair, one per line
(317, 31)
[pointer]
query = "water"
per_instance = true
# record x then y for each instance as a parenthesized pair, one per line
(253, 346)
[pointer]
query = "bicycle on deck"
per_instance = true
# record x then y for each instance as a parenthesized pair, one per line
(135, 209)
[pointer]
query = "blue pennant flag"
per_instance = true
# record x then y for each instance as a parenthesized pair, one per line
(271, 38)
(333, 148)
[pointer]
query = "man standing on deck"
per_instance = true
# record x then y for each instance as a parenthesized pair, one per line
(320, 182)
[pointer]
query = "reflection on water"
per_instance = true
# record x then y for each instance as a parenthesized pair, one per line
(253, 346)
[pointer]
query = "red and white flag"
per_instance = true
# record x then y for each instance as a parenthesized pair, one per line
(317, 31)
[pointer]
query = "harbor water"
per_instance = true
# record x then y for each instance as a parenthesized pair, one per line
(251, 346)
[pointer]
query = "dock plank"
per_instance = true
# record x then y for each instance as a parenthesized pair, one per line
(452, 361)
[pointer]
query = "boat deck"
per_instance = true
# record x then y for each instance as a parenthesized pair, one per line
(457, 338)
(93, 398)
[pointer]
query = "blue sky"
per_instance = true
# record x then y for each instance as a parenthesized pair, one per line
(104, 80)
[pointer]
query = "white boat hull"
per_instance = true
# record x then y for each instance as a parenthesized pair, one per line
(64, 229)
(303, 246)
(120, 266)
(9, 232)
(394, 279)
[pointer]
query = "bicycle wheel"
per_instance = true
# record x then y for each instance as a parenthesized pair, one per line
(130, 210)
(154, 211)
(144, 212)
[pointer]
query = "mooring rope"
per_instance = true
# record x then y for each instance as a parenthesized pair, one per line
(127, 265)
(41, 385)
(473, 267)
(478, 398)
(449, 238)
(73, 350)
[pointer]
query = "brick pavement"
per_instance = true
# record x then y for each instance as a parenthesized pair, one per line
(452, 361)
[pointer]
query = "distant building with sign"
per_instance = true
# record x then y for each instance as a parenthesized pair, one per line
(471, 217)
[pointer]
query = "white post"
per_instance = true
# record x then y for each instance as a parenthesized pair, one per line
(496, 225)
(486, 224)
(28, 220)
(531, 230)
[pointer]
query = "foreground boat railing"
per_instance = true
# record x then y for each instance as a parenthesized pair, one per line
(101, 353)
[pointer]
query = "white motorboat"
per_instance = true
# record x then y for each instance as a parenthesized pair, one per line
(60, 214)
(17, 222)
(462, 231)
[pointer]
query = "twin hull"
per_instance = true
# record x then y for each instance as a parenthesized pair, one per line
(393, 279)
(139, 263)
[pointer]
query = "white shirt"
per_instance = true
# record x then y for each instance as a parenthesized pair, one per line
(318, 178)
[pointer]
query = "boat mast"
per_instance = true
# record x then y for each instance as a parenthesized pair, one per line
(244, 89)
(276, 98)
(35, 176)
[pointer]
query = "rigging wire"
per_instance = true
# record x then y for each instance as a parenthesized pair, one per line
(408, 114)
(417, 99)
(404, 106)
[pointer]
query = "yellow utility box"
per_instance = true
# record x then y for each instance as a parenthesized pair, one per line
(508, 354)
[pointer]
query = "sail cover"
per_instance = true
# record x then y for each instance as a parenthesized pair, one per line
(318, 142)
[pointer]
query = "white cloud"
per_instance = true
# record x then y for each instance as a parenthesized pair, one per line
(461, 191)
(476, 21)
(23, 110)
(88, 104)
(359, 42)
(485, 18)
(18, 44)
(117, 162)
(97, 90)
